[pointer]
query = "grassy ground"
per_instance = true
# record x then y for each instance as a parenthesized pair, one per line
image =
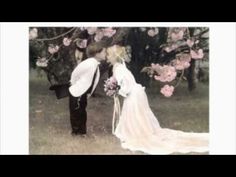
(50, 127)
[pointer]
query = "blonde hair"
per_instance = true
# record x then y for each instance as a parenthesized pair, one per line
(117, 52)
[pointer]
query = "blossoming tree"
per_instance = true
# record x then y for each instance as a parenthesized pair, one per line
(164, 54)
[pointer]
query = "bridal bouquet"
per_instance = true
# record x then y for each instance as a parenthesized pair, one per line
(111, 86)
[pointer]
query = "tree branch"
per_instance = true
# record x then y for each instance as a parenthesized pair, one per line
(180, 78)
(56, 37)
(201, 33)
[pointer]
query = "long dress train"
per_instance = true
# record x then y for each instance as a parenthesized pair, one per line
(138, 127)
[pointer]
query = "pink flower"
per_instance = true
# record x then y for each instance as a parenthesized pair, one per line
(152, 32)
(197, 41)
(155, 66)
(182, 62)
(99, 35)
(53, 49)
(66, 41)
(180, 65)
(33, 33)
(42, 62)
(82, 28)
(91, 30)
(111, 87)
(83, 43)
(165, 73)
(183, 29)
(168, 49)
(185, 57)
(167, 90)
(190, 43)
(174, 46)
(113, 80)
(186, 65)
(109, 32)
(197, 54)
(177, 36)
(143, 29)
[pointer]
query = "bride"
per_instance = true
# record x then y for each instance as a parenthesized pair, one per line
(138, 128)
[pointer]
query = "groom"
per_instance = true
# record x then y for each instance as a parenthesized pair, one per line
(84, 80)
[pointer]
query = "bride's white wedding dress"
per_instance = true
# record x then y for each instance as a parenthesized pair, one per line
(138, 128)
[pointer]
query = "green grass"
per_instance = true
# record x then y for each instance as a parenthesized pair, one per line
(184, 110)
(50, 126)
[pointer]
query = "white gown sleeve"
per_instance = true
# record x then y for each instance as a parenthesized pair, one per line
(123, 80)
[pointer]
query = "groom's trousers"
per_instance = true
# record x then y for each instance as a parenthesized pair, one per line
(78, 114)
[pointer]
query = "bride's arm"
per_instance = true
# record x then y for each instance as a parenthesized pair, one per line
(123, 81)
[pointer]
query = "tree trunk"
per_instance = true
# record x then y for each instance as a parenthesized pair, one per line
(192, 76)
(140, 56)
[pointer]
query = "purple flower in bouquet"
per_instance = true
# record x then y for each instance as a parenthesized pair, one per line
(111, 86)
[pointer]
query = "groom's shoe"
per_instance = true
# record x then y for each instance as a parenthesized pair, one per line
(75, 133)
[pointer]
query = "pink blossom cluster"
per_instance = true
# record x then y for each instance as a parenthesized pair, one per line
(167, 90)
(91, 30)
(164, 73)
(170, 48)
(109, 32)
(197, 54)
(153, 32)
(100, 33)
(175, 36)
(42, 62)
(190, 42)
(182, 61)
(33, 33)
(82, 43)
(53, 48)
(66, 41)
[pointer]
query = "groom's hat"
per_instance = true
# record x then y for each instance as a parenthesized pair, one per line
(61, 91)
